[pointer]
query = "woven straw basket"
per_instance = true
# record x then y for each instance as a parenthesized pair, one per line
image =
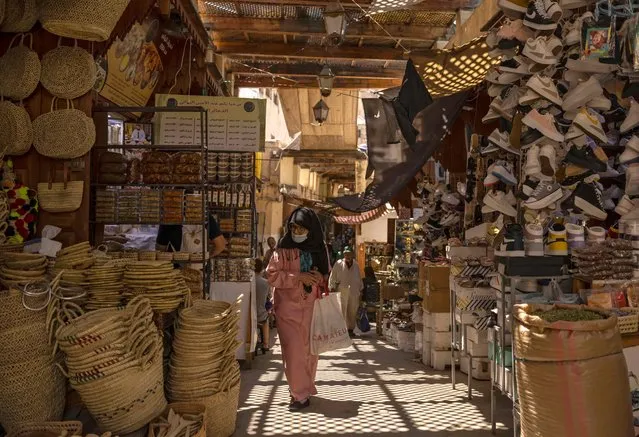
(68, 72)
(60, 196)
(19, 70)
(91, 20)
(16, 128)
(43, 428)
(2, 5)
(64, 133)
(19, 15)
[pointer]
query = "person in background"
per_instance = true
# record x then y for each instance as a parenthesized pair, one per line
(138, 136)
(371, 287)
(347, 279)
(271, 247)
(262, 291)
(298, 266)
(172, 235)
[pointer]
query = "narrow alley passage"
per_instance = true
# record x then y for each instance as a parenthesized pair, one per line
(370, 389)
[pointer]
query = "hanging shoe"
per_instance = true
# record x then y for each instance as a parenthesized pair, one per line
(632, 118)
(556, 241)
(544, 195)
(588, 199)
(537, 16)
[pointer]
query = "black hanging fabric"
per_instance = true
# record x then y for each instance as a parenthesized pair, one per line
(391, 174)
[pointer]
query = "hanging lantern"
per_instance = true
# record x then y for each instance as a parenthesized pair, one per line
(335, 22)
(325, 80)
(320, 111)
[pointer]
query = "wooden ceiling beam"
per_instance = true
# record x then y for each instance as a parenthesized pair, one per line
(311, 82)
(312, 70)
(219, 25)
(271, 50)
(426, 5)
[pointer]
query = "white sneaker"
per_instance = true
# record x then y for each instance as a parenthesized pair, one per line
(548, 160)
(503, 172)
(626, 205)
(494, 90)
(589, 122)
(450, 199)
(544, 123)
(545, 87)
(493, 76)
(553, 9)
(575, 4)
(596, 234)
(533, 164)
(490, 116)
(631, 152)
(502, 140)
(537, 50)
(590, 66)
(632, 180)
(534, 239)
(582, 94)
(497, 201)
(632, 119)
(600, 103)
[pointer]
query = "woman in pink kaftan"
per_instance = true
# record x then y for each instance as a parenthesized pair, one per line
(297, 266)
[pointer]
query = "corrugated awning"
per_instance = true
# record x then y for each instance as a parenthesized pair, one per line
(363, 217)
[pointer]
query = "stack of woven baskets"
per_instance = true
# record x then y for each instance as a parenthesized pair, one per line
(105, 286)
(195, 281)
(114, 362)
(159, 282)
(21, 269)
(32, 388)
(203, 366)
(73, 262)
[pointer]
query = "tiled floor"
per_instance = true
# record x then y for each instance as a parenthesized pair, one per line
(370, 389)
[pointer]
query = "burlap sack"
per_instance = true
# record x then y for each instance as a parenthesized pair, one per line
(572, 377)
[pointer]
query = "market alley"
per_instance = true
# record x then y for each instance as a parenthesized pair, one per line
(370, 389)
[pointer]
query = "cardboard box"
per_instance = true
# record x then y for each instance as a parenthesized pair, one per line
(477, 336)
(477, 349)
(437, 301)
(438, 277)
(393, 292)
(439, 341)
(439, 322)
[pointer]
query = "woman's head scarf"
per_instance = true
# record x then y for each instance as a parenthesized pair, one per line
(314, 243)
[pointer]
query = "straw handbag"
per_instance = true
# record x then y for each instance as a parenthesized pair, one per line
(19, 70)
(60, 196)
(16, 128)
(91, 20)
(63, 133)
(70, 427)
(68, 72)
(19, 15)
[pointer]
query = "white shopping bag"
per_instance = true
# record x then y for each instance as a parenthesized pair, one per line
(328, 327)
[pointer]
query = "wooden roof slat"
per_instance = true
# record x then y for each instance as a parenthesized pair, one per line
(426, 5)
(316, 27)
(311, 82)
(304, 51)
(313, 69)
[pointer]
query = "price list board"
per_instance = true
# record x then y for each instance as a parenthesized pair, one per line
(234, 124)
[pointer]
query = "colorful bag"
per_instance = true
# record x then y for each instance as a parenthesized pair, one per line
(362, 320)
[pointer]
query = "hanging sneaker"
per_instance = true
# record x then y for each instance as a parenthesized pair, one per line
(556, 241)
(548, 160)
(490, 116)
(632, 118)
(582, 94)
(450, 219)
(502, 140)
(631, 152)
(494, 89)
(574, 179)
(451, 199)
(590, 66)
(584, 157)
(575, 4)
(544, 123)
(588, 199)
(513, 242)
(527, 188)
(534, 240)
(554, 46)
(576, 236)
(600, 103)
(514, 30)
(530, 138)
(537, 16)
(517, 65)
(504, 173)
(545, 87)
(537, 51)
(588, 121)
(544, 195)
(625, 205)
(553, 10)
(518, 7)
(498, 202)
(632, 180)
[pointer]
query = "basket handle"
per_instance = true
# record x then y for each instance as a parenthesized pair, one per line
(22, 37)
(55, 99)
(75, 42)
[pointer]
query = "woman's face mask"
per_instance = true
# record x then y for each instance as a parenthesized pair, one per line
(299, 234)
(299, 238)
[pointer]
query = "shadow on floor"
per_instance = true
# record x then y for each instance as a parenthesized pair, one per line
(370, 389)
